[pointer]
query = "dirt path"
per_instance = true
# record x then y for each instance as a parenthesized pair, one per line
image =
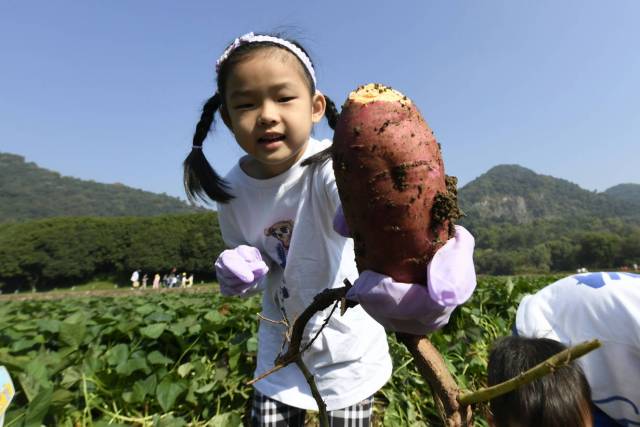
(125, 292)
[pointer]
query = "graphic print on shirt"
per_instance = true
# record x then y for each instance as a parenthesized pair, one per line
(281, 231)
(624, 405)
(597, 280)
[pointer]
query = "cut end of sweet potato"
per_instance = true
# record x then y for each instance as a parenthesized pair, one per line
(376, 92)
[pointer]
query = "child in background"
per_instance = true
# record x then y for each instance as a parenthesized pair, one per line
(559, 399)
(276, 209)
(603, 306)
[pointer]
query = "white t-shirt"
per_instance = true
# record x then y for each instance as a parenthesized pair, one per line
(583, 307)
(289, 218)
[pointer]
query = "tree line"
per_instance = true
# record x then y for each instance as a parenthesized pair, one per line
(556, 245)
(61, 252)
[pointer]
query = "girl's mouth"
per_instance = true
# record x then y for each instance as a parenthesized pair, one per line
(270, 138)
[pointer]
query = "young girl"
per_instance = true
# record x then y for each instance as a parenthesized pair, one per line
(276, 209)
(277, 214)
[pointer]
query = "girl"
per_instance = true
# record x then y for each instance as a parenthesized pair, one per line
(277, 214)
(275, 209)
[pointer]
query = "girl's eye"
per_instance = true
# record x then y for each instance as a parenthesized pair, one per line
(286, 98)
(243, 106)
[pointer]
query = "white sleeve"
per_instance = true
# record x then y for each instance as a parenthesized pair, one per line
(229, 228)
(328, 182)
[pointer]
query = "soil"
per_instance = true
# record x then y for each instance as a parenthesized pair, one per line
(122, 292)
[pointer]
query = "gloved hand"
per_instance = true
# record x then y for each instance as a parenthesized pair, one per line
(239, 270)
(415, 308)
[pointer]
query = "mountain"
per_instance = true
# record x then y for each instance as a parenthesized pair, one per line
(627, 192)
(28, 191)
(517, 195)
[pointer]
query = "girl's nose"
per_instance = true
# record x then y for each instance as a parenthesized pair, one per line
(268, 115)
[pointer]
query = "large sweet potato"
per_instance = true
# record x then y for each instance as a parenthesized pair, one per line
(390, 177)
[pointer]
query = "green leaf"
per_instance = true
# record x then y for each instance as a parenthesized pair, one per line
(18, 346)
(38, 408)
(49, 325)
(146, 309)
(118, 354)
(133, 365)
(70, 376)
(170, 421)
(214, 317)
(205, 388)
(157, 358)
(178, 329)
(72, 334)
(184, 369)
(168, 391)
(252, 344)
(159, 317)
(153, 331)
(61, 397)
(148, 385)
(34, 378)
(228, 419)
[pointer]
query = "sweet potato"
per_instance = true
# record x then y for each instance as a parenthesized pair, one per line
(390, 176)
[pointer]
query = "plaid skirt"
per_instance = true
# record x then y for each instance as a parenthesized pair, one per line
(266, 412)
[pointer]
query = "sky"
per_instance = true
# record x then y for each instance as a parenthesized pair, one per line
(110, 91)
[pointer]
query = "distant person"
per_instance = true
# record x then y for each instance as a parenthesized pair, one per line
(561, 398)
(145, 279)
(190, 281)
(135, 279)
(173, 280)
(156, 281)
(603, 306)
(183, 280)
(165, 280)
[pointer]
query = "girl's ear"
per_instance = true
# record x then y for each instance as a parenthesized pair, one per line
(318, 107)
(225, 116)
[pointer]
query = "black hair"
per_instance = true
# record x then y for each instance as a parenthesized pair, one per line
(200, 180)
(561, 398)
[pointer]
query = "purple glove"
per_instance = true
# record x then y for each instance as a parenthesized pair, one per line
(419, 309)
(239, 270)
(340, 223)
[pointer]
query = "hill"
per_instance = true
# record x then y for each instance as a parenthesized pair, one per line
(28, 191)
(517, 195)
(626, 192)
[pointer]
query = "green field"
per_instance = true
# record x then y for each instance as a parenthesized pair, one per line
(183, 357)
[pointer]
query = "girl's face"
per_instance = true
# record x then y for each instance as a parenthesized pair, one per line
(270, 111)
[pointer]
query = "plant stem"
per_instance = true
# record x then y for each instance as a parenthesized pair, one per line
(540, 370)
(322, 407)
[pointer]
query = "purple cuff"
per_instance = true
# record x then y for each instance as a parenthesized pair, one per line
(415, 308)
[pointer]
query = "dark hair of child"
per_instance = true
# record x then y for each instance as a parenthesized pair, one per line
(559, 399)
(200, 180)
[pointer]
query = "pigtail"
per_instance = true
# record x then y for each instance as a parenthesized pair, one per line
(200, 180)
(331, 113)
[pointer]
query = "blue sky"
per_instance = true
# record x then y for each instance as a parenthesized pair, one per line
(111, 90)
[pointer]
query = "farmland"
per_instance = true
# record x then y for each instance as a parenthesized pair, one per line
(184, 357)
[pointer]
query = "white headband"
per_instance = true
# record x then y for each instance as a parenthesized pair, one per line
(251, 38)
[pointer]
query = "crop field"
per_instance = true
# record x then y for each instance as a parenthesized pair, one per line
(184, 357)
